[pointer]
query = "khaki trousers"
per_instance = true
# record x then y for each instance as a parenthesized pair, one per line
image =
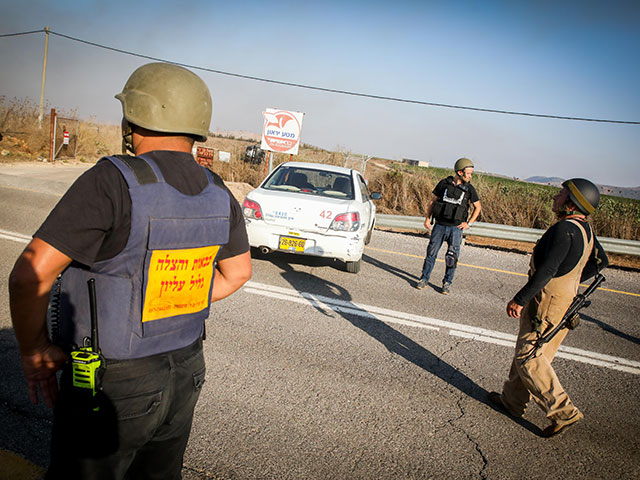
(537, 379)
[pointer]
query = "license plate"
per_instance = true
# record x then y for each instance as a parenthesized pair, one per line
(292, 244)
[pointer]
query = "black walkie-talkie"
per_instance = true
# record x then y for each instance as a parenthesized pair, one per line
(87, 362)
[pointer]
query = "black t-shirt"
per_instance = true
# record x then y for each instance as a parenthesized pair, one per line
(91, 222)
(439, 192)
(557, 253)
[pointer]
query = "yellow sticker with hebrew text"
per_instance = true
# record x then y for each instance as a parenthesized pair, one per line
(178, 282)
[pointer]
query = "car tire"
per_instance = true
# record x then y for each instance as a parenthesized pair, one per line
(353, 267)
(256, 253)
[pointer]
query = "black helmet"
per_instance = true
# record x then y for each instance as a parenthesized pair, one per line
(583, 193)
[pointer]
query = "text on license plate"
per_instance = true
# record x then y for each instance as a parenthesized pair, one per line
(293, 244)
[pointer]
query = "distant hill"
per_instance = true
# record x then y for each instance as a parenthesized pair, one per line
(556, 181)
(624, 192)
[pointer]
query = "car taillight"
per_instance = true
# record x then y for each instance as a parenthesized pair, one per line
(346, 222)
(251, 209)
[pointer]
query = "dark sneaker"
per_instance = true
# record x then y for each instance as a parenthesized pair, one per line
(446, 288)
(556, 429)
(421, 284)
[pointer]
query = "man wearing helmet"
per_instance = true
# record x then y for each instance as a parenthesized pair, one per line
(568, 253)
(162, 238)
(449, 207)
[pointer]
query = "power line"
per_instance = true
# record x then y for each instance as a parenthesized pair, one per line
(20, 33)
(329, 90)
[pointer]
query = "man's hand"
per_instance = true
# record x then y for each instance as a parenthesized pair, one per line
(427, 223)
(513, 309)
(40, 371)
(463, 226)
(30, 282)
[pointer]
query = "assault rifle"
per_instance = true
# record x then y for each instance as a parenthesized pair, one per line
(570, 319)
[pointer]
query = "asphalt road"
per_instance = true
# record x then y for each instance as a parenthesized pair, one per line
(315, 373)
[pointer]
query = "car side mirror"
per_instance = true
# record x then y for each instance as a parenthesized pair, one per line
(376, 196)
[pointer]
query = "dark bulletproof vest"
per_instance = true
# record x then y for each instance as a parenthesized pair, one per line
(453, 206)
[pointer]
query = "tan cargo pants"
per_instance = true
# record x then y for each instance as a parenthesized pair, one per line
(537, 378)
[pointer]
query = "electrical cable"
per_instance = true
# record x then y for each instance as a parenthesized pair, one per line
(20, 33)
(331, 90)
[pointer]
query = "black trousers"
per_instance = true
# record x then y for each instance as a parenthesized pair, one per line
(137, 427)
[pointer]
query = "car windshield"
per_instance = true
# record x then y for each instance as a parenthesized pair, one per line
(312, 182)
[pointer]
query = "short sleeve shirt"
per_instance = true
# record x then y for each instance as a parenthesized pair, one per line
(91, 222)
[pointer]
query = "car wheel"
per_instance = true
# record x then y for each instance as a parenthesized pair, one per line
(353, 267)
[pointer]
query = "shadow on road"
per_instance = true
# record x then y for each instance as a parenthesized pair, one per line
(321, 290)
(608, 328)
(279, 258)
(401, 274)
(26, 428)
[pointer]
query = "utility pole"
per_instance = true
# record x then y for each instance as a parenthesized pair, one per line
(44, 76)
(364, 163)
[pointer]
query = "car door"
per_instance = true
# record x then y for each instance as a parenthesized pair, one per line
(368, 209)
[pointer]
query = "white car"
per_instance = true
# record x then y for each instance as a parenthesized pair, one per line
(312, 209)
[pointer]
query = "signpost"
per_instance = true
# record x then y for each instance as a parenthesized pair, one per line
(281, 132)
(204, 156)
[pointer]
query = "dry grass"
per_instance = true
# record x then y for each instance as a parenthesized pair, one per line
(22, 136)
(405, 190)
(25, 139)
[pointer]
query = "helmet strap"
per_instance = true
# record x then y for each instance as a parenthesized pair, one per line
(127, 138)
(570, 209)
(461, 177)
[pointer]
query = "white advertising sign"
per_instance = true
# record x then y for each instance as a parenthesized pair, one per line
(281, 131)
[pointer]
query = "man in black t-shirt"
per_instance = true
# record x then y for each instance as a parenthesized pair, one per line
(449, 208)
(162, 238)
(568, 253)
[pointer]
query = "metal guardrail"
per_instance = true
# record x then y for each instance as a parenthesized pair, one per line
(505, 232)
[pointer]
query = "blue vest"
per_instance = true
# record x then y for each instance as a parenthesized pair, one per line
(154, 296)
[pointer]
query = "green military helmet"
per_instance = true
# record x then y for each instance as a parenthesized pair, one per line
(163, 97)
(583, 193)
(462, 163)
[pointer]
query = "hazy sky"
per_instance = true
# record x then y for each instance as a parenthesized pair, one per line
(575, 59)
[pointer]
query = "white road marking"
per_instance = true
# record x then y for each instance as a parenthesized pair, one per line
(16, 237)
(327, 304)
